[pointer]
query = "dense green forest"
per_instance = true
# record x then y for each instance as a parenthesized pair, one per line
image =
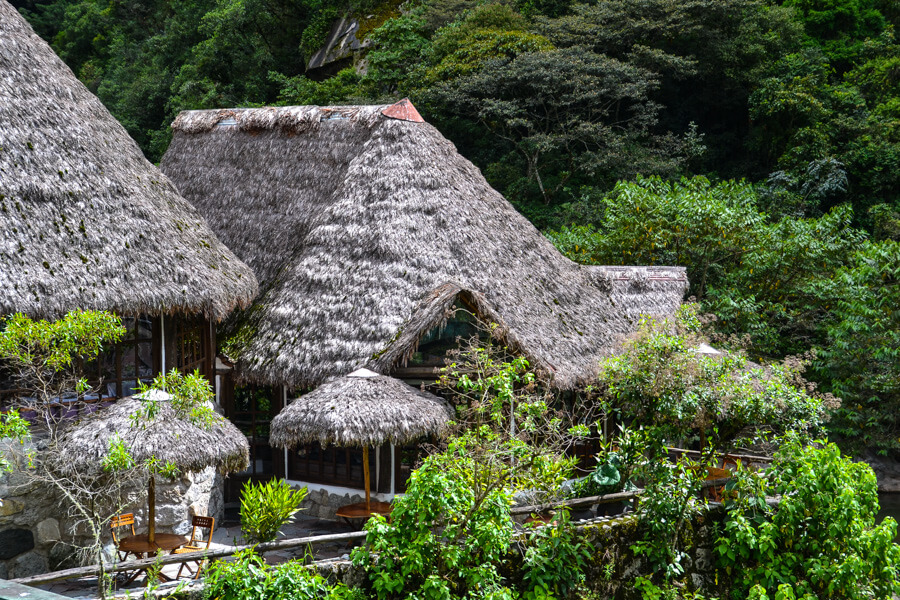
(755, 142)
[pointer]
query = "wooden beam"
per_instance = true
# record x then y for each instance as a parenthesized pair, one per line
(94, 570)
(575, 502)
(604, 499)
(742, 457)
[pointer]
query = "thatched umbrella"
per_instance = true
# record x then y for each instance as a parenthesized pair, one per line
(361, 409)
(166, 436)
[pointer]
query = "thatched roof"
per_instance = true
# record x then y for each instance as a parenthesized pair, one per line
(83, 445)
(85, 221)
(360, 409)
(364, 229)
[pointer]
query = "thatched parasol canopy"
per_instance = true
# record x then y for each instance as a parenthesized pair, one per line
(364, 228)
(166, 437)
(360, 409)
(170, 439)
(85, 220)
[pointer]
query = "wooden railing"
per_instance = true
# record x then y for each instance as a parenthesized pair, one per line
(170, 559)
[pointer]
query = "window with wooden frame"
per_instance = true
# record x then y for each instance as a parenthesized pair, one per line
(251, 408)
(192, 343)
(120, 366)
(344, 466)
(330, 465)
(137, 357)
(116, 371)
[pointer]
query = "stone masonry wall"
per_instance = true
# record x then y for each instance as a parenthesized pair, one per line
(611, 570)
(322, 504)
(613, 566)
(36, 536)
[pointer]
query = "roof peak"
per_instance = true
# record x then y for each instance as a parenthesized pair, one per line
(364, 373)
(403, 111)
(292, 118)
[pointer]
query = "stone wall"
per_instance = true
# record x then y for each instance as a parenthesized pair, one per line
(37, 536)
(614, 566)
(323, 503)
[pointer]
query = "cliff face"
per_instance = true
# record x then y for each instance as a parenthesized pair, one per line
(349, 40)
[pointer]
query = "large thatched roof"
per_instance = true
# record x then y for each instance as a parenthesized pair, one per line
(83, 445)
(85, 220)
(363, 229)
(360, 409)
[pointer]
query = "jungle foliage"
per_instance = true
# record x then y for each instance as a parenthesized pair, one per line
(756, 142)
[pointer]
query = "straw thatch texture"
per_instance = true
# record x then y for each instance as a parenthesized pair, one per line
(360, 411)
(363, 230)
(86, 221)
(84, 444)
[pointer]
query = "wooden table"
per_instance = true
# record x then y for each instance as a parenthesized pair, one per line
(140, 546)
(358, 510)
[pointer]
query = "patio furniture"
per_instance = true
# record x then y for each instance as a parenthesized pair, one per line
(123, 520)
(141, 545)
(219, 444)
(197, 543)
(117, 522)
(359, 510)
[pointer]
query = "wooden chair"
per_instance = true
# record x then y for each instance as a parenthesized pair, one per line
(197, 543)
(117, 522)
(125, 520)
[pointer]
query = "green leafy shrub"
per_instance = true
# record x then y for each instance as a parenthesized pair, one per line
(451, 536)
(668, 502)
(266, 507)
(13, 428)
(821, 541)
(605, 478)
(191, 398)
(862, 356)
(554, 559)
(661, 381)
(448, 534)
(249, 578)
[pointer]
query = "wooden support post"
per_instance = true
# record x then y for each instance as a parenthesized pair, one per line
(366, 475)
(151, 510)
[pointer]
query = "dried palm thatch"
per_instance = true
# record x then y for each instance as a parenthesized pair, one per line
(363, 230)
(83, 445)
(360, 409)
(86, 221)
(165, 437)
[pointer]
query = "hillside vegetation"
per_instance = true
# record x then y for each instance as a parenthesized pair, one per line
(755, 142)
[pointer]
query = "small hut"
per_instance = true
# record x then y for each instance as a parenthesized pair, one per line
(368, 231)
(87, 222)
